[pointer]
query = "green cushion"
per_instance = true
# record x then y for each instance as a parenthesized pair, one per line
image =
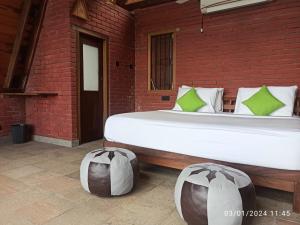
(190, 101)
(263, 103)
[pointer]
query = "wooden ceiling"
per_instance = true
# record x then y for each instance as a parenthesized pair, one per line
(136, 4)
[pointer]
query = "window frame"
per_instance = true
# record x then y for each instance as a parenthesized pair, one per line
(150, 35)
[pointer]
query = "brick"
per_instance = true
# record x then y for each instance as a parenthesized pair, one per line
(250, 46)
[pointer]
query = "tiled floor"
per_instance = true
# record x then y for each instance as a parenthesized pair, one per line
(39, 184)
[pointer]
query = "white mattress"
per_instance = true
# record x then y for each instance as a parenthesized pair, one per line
(272, 142)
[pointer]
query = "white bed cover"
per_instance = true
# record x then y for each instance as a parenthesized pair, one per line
(272, 142)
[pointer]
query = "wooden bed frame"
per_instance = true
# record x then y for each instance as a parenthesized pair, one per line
(285, 180)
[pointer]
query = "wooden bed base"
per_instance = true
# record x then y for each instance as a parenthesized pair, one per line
(285, 180)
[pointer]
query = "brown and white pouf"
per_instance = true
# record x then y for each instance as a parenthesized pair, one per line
(214, 194)
(109, 172)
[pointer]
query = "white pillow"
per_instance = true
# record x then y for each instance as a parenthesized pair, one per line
(206, 94)
(286, 95)
(218, 105)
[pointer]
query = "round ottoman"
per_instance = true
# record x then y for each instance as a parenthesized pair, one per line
(109, 172)
(214, 194)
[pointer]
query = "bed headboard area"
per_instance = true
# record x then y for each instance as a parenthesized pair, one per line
(229, 104)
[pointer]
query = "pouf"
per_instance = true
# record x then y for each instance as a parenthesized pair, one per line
(214, 194)
(109, 172)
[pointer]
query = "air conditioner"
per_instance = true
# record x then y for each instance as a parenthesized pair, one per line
(210, 6)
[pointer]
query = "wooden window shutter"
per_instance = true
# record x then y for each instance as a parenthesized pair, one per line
(161, 70)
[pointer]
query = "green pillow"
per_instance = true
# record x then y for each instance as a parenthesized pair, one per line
(263, 103)
(190, 101)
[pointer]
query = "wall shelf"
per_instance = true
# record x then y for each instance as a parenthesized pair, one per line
(30, 94)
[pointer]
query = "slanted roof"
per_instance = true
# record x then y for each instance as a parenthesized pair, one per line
(20, 25)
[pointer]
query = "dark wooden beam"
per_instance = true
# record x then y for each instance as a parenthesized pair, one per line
(34, 43)
(17, 44)
(138, 4)
(129, 2)
(25, 44)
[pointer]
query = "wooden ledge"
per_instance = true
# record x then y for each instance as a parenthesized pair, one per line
(30, 94)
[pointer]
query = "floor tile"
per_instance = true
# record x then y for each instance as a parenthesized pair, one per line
(22, 172)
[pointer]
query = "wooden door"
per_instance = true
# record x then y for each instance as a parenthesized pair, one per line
(91, 88)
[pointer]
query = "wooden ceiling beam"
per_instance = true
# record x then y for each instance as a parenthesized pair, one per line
(35, 39)
(25, 44)
(137, 4)
(129, 2)
(17, 44)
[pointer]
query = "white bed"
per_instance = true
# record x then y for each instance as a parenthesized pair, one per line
(272, 142)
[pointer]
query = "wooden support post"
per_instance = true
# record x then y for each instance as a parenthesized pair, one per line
(296, 203)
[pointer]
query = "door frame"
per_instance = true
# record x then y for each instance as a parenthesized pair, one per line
(105, 40)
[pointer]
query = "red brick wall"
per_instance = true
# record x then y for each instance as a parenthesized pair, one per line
(243, 47)
(54, 67)
(52, 71)
(118, 25)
